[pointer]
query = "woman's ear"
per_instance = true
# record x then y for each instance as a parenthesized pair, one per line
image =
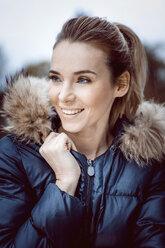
(122, 84)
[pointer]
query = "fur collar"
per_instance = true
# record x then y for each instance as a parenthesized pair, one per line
(27, 110)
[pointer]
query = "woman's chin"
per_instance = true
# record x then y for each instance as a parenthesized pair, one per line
(71, 128)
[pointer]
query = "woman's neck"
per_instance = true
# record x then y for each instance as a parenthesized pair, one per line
(91, 143)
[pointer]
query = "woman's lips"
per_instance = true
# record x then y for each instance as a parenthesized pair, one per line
(71, 111)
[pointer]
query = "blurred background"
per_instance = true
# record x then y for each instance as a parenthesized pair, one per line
(28, 31)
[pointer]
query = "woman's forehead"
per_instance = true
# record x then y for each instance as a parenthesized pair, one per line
(79, 55)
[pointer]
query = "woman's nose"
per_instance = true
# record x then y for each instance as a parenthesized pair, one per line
(66, 93)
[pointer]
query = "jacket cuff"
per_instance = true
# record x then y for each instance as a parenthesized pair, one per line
(58, 214)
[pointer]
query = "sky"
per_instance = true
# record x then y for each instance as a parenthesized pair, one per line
(28, 28)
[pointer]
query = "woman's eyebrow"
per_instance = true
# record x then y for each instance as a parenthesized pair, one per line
(85, 71)
(76, 73)
(54, 72)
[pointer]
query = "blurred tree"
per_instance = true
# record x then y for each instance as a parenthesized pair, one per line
(3, 64)
(80, 12)
(2, 121)
(155, 87)
(38, 70)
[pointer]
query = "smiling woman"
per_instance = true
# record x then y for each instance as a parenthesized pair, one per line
(83, 165)
(82, 91)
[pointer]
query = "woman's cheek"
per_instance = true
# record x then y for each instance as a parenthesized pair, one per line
(52, 94)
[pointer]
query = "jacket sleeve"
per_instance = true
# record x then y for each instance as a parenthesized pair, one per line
(51, 222)
(150, 226)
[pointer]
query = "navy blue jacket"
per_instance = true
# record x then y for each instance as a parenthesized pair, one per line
(121, 205)
(125, 204)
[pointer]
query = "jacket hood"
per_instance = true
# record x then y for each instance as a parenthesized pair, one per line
(27, 110)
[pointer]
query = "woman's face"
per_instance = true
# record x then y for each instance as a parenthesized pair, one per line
(80, 87)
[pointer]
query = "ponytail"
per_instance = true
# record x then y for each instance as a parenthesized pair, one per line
(128, 104)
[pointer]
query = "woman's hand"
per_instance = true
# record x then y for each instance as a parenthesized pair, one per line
(56, 151)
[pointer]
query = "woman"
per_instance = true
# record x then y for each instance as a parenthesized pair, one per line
(97, 179)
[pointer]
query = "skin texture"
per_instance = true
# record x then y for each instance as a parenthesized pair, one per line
(80, 81)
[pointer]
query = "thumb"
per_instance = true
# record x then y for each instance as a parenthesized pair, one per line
(71, 145)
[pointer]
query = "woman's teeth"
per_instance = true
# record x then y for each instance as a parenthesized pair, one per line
(71, 112)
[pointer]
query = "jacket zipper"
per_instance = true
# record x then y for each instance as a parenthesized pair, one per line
(90, 172)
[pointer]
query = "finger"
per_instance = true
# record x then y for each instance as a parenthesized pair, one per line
(51, 136)
(43, 138)
(69, 145)
(66, 141)
(61, 140)
(73, 147)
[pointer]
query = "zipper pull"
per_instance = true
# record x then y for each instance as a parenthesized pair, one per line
(90, 169)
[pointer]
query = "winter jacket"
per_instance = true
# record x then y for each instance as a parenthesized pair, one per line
(120, 197)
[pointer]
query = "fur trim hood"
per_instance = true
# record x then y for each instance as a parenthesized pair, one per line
(27, 110)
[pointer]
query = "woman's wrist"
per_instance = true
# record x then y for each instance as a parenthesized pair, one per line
(68, 186)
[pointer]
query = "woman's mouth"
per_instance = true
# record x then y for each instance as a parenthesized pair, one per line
(71, 111)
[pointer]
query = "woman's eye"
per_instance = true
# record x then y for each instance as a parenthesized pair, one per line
(83, 80)
(54, 78)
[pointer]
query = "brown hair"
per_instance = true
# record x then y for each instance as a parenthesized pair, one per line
(124, 53)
